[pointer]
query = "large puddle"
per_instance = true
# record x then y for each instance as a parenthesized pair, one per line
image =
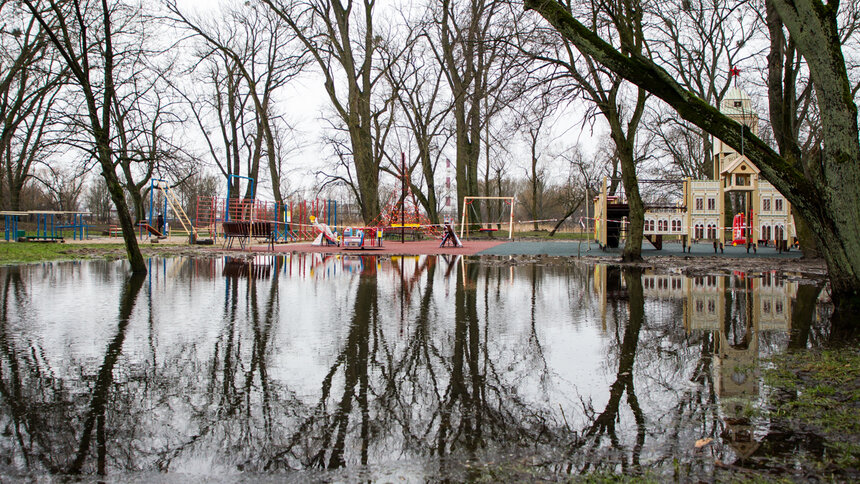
(413, 368)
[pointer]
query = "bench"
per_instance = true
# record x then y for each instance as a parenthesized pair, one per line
(243, 231)
(82, 229)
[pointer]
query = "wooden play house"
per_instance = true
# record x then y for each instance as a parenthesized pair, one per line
(735, 207)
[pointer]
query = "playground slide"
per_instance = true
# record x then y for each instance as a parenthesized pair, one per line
(450, 237)
(151, 230)
(738, 236)
(324, 233)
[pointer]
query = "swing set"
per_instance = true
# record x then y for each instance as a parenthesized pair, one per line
(464, 225)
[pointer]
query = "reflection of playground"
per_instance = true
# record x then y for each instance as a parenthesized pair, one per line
(250, 268)
(739, 311)
(267, 381)
(409, 270)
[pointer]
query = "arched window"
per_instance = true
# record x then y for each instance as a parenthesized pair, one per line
(712, 231)
(699, 231)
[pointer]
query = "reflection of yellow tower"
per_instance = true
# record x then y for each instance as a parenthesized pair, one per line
(735, 370)
(773, 302)
(608, 283)
(705, 305)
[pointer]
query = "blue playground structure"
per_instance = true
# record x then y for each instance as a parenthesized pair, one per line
(48, 226)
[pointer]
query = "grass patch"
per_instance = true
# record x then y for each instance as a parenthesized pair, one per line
(523, 472)
(26, 252)
(819, 391)
(29, 252)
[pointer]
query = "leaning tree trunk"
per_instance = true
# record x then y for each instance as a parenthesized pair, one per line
(117, 195)
(814, 28)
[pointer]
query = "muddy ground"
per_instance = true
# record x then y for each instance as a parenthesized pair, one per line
(813, 270)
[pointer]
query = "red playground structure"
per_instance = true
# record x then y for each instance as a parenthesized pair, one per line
(738, 230)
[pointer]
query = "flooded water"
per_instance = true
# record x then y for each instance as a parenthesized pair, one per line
(312, 367)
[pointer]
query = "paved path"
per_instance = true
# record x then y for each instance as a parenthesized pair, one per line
(574, 248)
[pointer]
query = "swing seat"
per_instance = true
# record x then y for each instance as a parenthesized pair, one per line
(489, 229)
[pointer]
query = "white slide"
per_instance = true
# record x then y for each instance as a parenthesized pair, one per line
(325, 234)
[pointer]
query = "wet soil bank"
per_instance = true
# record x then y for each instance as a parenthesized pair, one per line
(808, 269)
(688, 265)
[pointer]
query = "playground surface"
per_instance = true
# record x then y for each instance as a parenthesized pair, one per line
(418, 247)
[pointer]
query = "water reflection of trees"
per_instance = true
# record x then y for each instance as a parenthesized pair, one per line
(426, 397)
(591, 452)
(42, 408)
(437, 388)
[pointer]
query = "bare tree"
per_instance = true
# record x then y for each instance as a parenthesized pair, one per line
(255, 49)
(620, 21)
(417, 84)
(148, 114)
(97, 200)
(584, 175)
(64, 185)
(82, 33)
(700, 41)
(199, 185)
(29, 87)
(345, 43)
(471, 42)
(220, 111)
(533, 121)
